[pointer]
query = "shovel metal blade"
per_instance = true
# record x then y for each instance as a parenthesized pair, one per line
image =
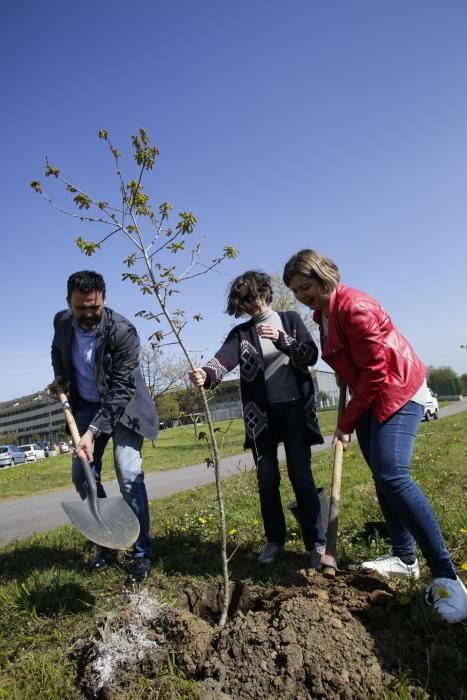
(114, 525)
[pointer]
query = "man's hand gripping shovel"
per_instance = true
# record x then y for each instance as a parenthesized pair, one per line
(108, 522)
(328, 559)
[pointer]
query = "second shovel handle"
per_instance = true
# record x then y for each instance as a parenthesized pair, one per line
(342, 400)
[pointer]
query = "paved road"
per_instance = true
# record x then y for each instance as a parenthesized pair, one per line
(25, 516)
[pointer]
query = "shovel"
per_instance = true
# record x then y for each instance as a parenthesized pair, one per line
(108, 522)
(328, 559)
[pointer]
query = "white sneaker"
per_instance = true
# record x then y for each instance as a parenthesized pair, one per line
(392, 566)
(448, 598)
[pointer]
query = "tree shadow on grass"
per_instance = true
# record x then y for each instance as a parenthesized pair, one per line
(47, 597)
(177, 555)
(18, 563)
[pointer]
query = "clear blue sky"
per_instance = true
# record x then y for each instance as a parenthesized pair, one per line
(335, 125)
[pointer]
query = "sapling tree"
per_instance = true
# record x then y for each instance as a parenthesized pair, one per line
(160, 262)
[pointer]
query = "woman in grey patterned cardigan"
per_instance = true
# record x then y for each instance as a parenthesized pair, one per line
(274, 351)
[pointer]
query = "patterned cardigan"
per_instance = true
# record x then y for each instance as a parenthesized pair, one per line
(242, 346)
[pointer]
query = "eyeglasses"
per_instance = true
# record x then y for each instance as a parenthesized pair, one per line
(247, 299)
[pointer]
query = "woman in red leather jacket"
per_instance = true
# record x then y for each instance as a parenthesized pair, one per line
(388, 392)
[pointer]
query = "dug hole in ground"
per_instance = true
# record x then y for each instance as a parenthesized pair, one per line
(347, 637)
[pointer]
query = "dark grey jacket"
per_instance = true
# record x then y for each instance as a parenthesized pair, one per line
(124, 396)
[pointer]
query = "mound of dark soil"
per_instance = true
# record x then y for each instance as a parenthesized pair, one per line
(341, 638)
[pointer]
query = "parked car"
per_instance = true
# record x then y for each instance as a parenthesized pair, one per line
(45, 446)
(64, 447)
(431, 407)
(11, 455)
(32, 451)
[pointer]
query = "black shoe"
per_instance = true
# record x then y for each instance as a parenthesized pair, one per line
(102, 559)
(139, 570)
(271, 552)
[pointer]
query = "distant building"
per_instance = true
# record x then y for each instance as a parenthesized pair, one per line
(326, 389)
(226, 403)
(35, 414)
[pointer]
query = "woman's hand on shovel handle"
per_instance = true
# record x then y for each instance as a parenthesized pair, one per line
(85, 447)
(343, 437)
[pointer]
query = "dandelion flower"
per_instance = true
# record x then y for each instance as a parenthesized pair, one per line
(464, 566)
(233, 531)
(442, 592)
(202, 520)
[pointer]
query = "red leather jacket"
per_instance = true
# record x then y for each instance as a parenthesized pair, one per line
(367, 351)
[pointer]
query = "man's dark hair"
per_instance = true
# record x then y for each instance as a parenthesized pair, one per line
(85, 281)
(256, 283)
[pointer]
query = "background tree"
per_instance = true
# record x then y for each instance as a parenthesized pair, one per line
(168, 407)
(443, 381)
(463, 384)
(62, 434)
(189, 398)
(160, 372)
(322, 398)
(9, 438)
(152, 264)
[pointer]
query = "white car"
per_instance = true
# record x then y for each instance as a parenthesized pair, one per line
(32, 452)
(431, 407)
(63, 447)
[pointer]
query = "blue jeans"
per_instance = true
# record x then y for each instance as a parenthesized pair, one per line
(287, 424)
(127, 447)
(387, 448)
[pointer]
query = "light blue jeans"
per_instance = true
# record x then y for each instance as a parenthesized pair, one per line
(387, 448)
(127, 446)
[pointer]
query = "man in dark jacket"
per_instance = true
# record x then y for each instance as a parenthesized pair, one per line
(95, 355)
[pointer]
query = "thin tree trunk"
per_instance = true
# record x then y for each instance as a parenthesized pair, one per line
(215, 453)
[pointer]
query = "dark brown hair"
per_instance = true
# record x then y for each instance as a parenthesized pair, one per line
(257, 284)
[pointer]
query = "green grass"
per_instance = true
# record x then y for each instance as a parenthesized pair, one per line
(48, 597)
(174, 448)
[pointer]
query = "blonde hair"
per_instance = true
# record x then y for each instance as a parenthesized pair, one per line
(312, 264)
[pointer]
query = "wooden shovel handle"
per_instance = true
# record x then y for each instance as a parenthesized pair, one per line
(329, 559)
(75, 436)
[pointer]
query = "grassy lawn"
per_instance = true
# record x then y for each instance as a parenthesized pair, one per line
(48, 597)
(174, 448)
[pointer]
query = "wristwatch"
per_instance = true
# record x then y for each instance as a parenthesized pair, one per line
(95, 431)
